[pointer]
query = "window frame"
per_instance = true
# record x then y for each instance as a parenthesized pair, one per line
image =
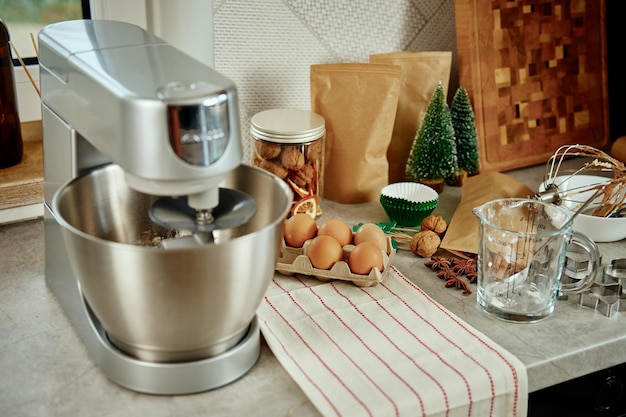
(32, 60)
(132, 11)
(29, 103)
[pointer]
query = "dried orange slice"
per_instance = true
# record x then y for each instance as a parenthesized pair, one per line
(303, 193)
(306, 205)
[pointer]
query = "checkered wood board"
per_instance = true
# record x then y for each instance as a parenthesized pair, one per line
(535, 71)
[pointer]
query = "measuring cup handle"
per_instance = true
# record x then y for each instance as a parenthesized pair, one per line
(593, 252)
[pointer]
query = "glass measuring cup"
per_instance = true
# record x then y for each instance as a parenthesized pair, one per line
(522, 245)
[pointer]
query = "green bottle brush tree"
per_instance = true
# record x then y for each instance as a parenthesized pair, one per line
(464, 124)
(445, 146)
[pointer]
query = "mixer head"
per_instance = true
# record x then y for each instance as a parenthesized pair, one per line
(168, 120)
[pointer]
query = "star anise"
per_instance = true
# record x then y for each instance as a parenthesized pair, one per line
(446, 273)
(472, 276)
(463, 266)
(459, 284)
(436, 263)
(450, 270)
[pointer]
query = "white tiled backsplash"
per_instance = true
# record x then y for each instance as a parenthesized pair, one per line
(266, 47)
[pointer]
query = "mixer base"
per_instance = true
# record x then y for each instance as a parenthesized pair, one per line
(172, 378)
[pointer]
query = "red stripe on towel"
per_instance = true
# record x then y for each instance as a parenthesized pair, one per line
(481, 340)
(286, 351)
(313, 320)
(316, 354)
(360, 339)
(402, 352)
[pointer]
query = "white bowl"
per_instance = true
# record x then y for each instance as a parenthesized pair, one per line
(599, 229)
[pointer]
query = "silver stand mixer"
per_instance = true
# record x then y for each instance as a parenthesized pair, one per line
(141, 138)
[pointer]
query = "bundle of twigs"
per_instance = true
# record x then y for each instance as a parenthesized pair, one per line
(612, 193)
(21, 61)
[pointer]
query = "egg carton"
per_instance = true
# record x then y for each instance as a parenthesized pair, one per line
(293, 261)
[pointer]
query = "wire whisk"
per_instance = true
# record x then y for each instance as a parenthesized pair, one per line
(604, 198)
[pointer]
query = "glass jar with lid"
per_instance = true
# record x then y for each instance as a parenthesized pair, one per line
(290, 144)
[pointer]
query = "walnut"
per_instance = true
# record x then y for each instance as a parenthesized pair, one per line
(314, 150)
(292, 158)
(303, 177)
(435, 223)
(425, 243)
(267, 150)
(274, 167)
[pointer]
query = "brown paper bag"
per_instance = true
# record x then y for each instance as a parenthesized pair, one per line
(462, 233)
(421, 72)
(358, 103)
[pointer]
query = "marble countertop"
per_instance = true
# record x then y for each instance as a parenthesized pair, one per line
(47, 372)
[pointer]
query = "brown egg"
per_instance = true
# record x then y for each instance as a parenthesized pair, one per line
(364, 257)
(298, 229)
(337, 229)
(324, 251)
(370, 232)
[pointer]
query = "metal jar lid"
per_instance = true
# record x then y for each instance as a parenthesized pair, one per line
(287, 126)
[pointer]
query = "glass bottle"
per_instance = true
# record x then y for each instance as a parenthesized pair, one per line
(11, 145)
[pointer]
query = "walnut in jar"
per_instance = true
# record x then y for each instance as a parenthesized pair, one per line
(303, 177)
(274, 167)
(291, 158)
(267, 150)
(314, 151)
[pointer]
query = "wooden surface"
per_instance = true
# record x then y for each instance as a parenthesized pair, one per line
(536, 74)
(22, 184)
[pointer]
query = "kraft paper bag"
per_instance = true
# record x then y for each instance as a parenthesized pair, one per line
(358, 102)
(462, 234)
(421, 72)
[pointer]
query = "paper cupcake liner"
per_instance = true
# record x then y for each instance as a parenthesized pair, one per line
(408, 203)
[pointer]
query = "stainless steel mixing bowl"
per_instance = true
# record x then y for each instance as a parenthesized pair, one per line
(169, 305)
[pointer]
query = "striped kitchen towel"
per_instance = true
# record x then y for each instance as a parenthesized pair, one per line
(388, 350)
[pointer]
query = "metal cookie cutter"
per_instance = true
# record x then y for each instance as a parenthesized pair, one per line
(607, 305)
(607, 295)
(616, 271)
(576, 267)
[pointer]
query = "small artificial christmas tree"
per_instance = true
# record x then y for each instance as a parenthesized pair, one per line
(433, 159)
(464, 124)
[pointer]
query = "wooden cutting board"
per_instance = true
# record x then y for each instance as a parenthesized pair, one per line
(536, 74)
